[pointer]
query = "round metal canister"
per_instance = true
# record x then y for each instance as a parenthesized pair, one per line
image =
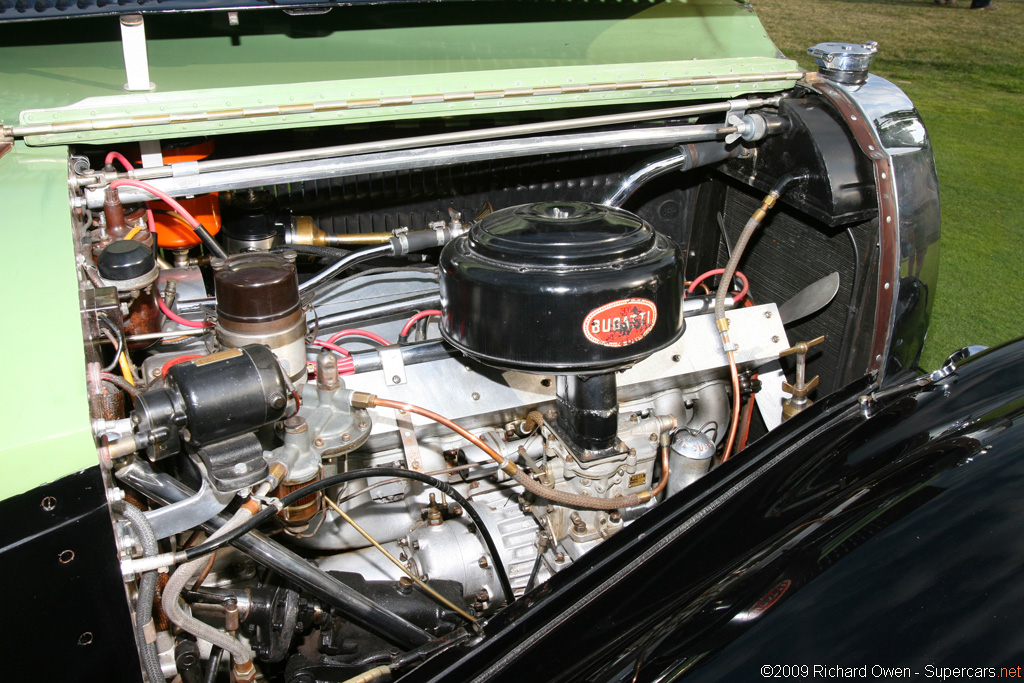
(129, 266)
(689, 458)
(565, 287)
(258, 303)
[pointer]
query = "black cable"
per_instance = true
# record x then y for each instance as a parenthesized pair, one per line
(317, 486)
(103, 319)
(331, 254)
(535, 572)
(375, 658)
(216, 655)
(341, 264)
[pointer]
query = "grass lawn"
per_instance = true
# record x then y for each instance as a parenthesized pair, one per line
(964, 70)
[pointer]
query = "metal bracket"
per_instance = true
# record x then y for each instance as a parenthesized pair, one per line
(151, 153)
(393, 365)
(136, 58)
(191, 512)
(409, 443)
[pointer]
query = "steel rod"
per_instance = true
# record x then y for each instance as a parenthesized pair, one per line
(456, 137)
(413, 159)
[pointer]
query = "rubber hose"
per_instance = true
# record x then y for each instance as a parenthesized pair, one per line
(730, 267)
(741, 244)
(347, 262)
(331, 253)
(240, 652)
(147, 588)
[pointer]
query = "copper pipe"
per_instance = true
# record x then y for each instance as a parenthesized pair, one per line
(207, 568)
(734, 422)
(440, 419)
(664, 468)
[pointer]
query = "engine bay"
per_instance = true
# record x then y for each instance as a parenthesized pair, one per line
(352, 400)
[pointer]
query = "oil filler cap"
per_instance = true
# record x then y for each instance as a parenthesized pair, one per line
(125, 260)
(846, 63)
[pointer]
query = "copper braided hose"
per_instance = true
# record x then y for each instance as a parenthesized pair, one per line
(361, 400)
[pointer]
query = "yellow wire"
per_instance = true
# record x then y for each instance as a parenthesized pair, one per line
(134, 231)
(125, 369)
(378, 546)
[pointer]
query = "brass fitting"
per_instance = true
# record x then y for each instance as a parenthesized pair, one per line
(362, 399)
(434, 517)
(802, 387)
(304, 230)
(278, 471)
(243, 673)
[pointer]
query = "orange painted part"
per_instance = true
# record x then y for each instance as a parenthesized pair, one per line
(174, 233)
(176, 155)
(171, 232)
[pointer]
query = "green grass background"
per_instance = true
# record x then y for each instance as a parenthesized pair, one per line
(964, 70)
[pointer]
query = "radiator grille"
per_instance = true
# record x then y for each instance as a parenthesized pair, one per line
(789, 252)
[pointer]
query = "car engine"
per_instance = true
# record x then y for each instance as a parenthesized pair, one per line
(354, 396)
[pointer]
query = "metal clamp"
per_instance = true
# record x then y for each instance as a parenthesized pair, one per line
(392, 364)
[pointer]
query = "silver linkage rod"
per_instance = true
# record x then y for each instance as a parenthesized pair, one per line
(412, 159)
(457, 137)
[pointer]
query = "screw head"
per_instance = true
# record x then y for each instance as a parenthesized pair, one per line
(775, 339)
(48, 503)
(396, 380)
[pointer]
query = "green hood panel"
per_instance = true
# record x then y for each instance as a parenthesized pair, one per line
(44, 428)
(383, 63)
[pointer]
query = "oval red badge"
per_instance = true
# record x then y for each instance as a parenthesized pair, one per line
(621, 322)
